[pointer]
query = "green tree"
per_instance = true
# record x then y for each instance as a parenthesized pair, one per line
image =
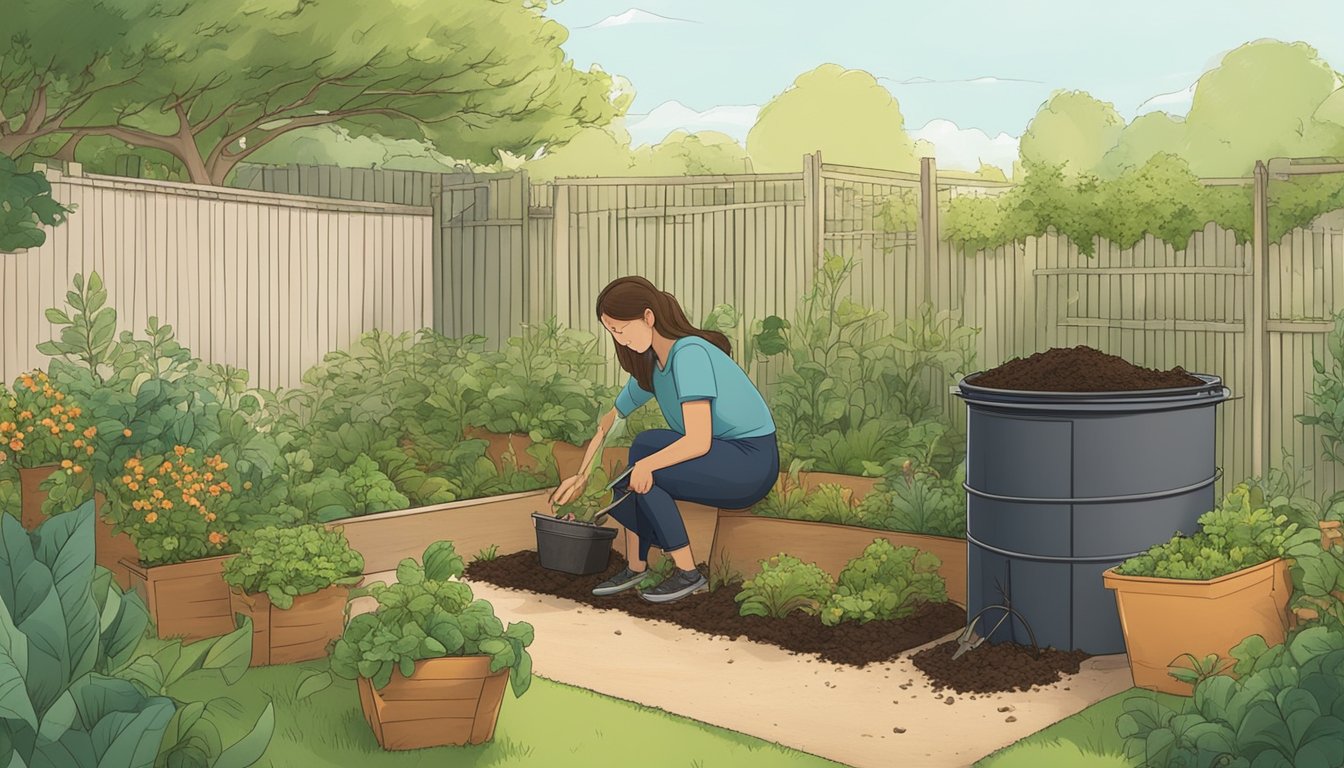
(607, 151)
(844, 113)
(25, 206)
(211, 89)
(1148, 135)
(335, 145)
(1072, 130)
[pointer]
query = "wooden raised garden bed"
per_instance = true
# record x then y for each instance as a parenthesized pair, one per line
(188, 600)
(109, 547)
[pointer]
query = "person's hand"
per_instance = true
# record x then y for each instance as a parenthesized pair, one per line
(568, 490)
(641, 478)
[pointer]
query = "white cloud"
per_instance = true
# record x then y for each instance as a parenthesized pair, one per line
(985, 80)
(669, 116)
(634, 16)
(964, 149)
(1175, 102)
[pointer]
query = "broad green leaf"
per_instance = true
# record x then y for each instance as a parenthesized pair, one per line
(314, 683)
(249, 749)
(232, 653)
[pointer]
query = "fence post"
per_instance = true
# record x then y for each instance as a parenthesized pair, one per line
(1259, 317)
(438, 320)
(928, 221)
(560, 211)
(814, 209)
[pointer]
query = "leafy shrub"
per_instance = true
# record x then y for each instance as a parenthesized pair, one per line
(1282, 709)
(828, 502)
(786, 498)
(885, 582)
(288, 562)
(918, 500)
(77, 693)
(543, 383)
(427, 614)
(26, 206)
(1241, 532)
(785, 584)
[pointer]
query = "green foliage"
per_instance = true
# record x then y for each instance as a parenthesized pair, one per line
(1240, 532)
(783, 585)
(288, 562)
(488, 553)
(918, 500)
(1328, 396)
(1283, 709)
(427, 615)
(595, 495)
(855, 398)
(543, 384)
(885, 582)
(787, 497)
(26, 206)
(77, 692)
(657, 573)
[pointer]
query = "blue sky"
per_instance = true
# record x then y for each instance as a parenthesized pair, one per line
(968, 74)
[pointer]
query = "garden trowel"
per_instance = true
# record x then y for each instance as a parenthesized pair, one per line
(602, 513)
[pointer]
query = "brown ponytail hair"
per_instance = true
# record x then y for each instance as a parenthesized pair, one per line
(626, 298)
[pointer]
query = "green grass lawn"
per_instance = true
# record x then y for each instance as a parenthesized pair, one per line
(1086, 740)
(552, 725)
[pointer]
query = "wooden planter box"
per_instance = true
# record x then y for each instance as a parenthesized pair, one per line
(109, 546)
(188, 600)
(1165, 618)
(300, 633)
(30, 496)
(744, 539)
(446, 702)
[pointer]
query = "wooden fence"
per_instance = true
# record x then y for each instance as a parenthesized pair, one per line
(261, 281)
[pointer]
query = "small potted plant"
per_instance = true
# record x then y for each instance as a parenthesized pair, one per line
(569, 540)
(1194, 596)
(431, 662)
(293, 583)
(45, 433)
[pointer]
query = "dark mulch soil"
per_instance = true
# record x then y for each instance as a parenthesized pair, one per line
(716, 613)
(995, 668)
(1080, 369)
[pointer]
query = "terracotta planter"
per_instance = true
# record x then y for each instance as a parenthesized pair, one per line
(446, 702)
(299, 633)
(31, 497)
(188, 600)
(1165, 618)
(743, 539)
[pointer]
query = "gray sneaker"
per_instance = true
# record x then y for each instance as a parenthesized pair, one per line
(620, 582)
(676, 586)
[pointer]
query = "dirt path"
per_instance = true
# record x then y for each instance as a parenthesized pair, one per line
(841, 713)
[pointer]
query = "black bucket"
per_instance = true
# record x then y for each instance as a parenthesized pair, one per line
(571, 546)
(1064, 485)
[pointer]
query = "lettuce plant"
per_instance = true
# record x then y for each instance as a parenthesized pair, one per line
(1242, 531)
(783, 585)
(918, 500)
(429, 614)
(288, 562)
(885, 582)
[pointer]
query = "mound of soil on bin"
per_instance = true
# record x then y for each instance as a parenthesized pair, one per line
(995, 668)
(1080, 369)
(715, 613)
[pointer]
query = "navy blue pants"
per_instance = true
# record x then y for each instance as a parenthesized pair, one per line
(732, 475)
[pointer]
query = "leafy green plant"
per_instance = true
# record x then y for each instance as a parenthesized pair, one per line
(544, 383)
(488, 553)
(828, 502)
(657, 573)
(595, 496)
(428, 614)
(288, 562)
(722, 573)
(785, 584)
(918, 500)
(182, 506)
(787, 497)
(1196, 670)
(885, 582)
(26, 206)
(1282, 709)
(1241, 532)
(77, 691)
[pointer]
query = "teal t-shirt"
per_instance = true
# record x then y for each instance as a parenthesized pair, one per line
(698, 370)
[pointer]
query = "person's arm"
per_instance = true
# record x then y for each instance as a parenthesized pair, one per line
(695, 443)
(604, 425)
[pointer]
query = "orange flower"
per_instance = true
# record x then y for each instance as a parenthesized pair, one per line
(210, 517)
(153, 481)
(79, 443)
(25, 415)
(214, 490)
(216, 538)
(125, 432)
(91, 431)
(47, 422)
(66, 464)
(56, 409)
(179, 450)
(16, 445)
(151, 517)
(135, 486)
(89, 450)
(78, 469)
(167, 504)
(69, 427)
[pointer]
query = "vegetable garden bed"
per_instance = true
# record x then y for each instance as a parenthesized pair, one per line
(716, 613)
